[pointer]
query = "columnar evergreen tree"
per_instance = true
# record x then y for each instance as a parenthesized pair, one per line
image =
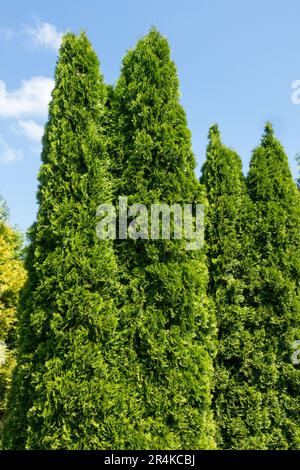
(67, 389)
(276, 287)
(298, 179)
(12, 278)
(167, 316)
(241, 395)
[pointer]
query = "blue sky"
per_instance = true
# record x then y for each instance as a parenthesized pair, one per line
(236, 61)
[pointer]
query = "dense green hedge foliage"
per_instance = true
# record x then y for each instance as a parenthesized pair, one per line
(117, 341)
(276, 287)
(168, 316)
(238, 403)
(253, 256)
(66, 387)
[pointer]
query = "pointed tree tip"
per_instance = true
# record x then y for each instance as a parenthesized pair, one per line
(269, 130)
(268, 134)
(154, 30)
(154, 36)
(214, 132)
(155, 42)
(70, 36)
(68, 39)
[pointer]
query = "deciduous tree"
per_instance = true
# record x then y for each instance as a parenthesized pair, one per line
(12, 278)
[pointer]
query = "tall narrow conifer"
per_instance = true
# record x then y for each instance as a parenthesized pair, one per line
(239, 404)
(166, 314)
(66, 387)
(276, 290)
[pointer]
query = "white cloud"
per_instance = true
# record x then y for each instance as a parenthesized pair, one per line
(7, 153)
(44, 35)
(31, 98)
(31, 129)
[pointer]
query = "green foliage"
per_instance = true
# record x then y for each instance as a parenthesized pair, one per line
(253, 252)
(116, 341)
(3, 210)
(275, 288)
(12, 277)
(167, 317)
(238, 397)
(66, 389)
(298, 179)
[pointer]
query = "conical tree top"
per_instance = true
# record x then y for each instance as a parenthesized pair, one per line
(269, 174)
(150, 59)
(77, 77)
(214, 134)
(222, 170)
(76, 109)
(76, 52)
(152, 125)
(268, 132)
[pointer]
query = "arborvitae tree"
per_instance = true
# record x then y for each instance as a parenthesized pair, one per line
(276, 287)
(66, 390)
(167, 315)
(12, 278)
(241, 401)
